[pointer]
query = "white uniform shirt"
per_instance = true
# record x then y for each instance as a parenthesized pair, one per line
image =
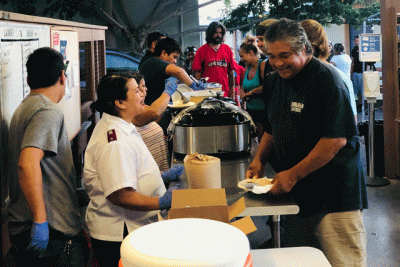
(116, 157)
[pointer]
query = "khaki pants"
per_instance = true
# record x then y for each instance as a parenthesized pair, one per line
(341, 236)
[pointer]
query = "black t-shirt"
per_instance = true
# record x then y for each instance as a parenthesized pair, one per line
(146, 56)
(153, 70)
(302, 110)
(357, 63)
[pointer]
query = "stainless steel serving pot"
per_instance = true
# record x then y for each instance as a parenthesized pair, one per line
(212, 126)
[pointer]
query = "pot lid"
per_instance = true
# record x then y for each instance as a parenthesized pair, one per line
(212, 112)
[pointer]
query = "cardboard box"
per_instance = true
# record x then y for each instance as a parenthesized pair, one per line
(209, 204)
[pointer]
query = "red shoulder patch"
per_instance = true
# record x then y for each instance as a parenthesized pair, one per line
(111, 135)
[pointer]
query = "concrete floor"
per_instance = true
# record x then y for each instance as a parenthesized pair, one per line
(382, 223)
(382, 219)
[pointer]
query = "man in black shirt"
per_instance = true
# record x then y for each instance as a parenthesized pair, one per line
(161, 67)
(152, 40)
(310, 125)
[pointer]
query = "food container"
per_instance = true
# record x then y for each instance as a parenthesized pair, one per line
(212, 126)
(186, 242)
(202, 171)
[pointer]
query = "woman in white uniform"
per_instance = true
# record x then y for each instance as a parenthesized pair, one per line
(122, 179)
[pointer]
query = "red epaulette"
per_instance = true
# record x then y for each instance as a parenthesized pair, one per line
(111, 135)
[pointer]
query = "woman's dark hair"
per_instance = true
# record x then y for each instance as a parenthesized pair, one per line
(169, 45)
(111, 87)
(212, 29)
(338, 47)
(135, 75)
(44, 67)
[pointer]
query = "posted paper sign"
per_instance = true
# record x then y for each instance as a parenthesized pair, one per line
(370, 47)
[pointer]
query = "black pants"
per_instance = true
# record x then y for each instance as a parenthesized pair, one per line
(107, 253)
(61, 250)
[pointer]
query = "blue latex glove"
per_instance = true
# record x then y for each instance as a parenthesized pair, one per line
(165, 200)
(170, 86)
(172, 174)
(199, 86)
(39, 238)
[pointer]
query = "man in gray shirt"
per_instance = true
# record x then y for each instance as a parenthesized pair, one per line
(44, 213)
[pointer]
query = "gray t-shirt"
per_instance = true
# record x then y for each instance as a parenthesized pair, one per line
(38, 122)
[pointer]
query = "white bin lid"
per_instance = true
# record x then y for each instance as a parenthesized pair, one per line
(185, 242)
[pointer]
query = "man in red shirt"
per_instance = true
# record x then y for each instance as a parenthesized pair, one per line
(215, 59)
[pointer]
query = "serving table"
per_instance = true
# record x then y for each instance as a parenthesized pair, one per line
(289, 257)
(233, 170)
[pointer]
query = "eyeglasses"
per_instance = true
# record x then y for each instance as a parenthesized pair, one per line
(66, 67)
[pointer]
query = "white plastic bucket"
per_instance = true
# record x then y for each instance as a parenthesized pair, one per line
(186, 242)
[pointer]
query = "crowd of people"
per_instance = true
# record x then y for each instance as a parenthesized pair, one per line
(303, 106)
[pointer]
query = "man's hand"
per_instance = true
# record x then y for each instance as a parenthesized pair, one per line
(39, 238)
(256, 170)
(198, 86)
(283, 182)
(170, 86)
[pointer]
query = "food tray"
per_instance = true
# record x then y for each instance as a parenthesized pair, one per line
(250, 186)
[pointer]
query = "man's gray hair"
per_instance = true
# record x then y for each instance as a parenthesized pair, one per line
(290, 32)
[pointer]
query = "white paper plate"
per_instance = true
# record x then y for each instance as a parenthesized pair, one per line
(252, 187)
(180, 106)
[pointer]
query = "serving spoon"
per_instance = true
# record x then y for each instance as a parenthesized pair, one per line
(185, 98)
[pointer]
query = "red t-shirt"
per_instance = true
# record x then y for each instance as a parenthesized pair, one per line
(240, 71)
(214, 64)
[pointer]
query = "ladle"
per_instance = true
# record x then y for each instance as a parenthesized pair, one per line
(185, 98)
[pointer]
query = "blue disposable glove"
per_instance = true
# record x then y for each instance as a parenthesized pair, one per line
(170, 86)
(39, 238)
(165, 200)
(172, 174)
(198, 86)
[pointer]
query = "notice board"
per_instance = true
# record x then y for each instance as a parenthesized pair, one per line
(66, 42)
(370, 47)
(17, 41)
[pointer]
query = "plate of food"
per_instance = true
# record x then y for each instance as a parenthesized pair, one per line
(256, 186)
(180, 105)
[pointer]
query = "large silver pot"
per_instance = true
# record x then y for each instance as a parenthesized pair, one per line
(212, 126)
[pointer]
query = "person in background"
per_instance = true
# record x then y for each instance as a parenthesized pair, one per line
(152, 134)
(44, 216)
(238, 74)
(331, 54)
(252, 84)
(152, 40)
(123, 182)
(356, 71)
(309, 122)
(161, 67)
(341, 60)
(260, 30)
(319, 39)
(215, 60)
(190, 52)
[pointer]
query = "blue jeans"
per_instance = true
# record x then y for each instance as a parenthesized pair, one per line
(357, 79)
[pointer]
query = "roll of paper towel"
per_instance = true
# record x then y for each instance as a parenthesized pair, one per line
(202, 171)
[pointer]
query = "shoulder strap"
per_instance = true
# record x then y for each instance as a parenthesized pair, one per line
(260, 75)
